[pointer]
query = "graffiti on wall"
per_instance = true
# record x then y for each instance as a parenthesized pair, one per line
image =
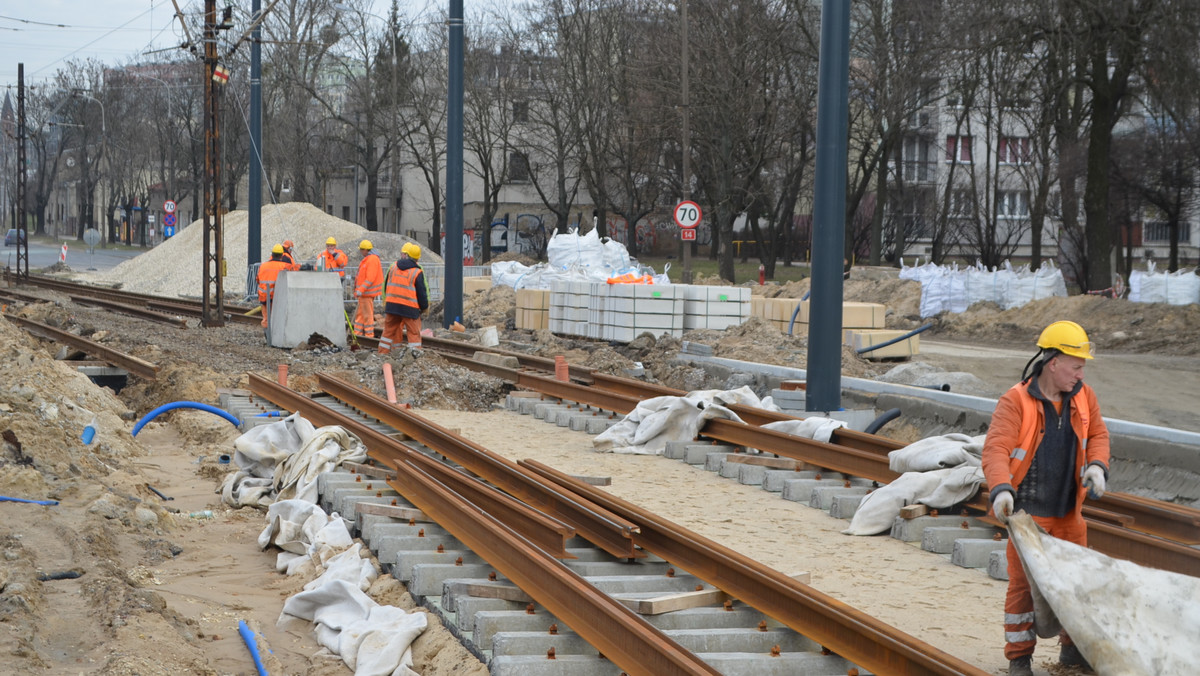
(655, 234)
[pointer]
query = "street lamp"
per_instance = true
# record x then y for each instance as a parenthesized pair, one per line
(103, 148)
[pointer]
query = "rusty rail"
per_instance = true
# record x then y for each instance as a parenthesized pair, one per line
(139, 312)
(139, 367)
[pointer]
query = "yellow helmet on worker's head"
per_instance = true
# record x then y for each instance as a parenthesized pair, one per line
(411, 250)
(277, 249)
(331, 242)
(1068, 338)
(366, 245)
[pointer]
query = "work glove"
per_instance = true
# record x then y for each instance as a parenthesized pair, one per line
(1002, 505)
(1093, 481)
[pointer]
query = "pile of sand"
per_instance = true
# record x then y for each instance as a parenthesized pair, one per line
(175, 267)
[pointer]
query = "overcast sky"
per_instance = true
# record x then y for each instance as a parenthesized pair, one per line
(45, 34)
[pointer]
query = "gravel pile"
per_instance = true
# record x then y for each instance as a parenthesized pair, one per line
(175, 267)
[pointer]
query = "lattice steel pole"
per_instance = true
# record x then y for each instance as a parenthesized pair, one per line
(22, 234)
(214, 300)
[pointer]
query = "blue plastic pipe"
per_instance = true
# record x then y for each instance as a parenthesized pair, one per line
(796, 312)
(252, 645)
(4, 498)
(182, 404)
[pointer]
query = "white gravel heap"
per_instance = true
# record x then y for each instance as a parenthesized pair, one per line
(175, 267)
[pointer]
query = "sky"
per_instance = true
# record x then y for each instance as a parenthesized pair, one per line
(46, 34)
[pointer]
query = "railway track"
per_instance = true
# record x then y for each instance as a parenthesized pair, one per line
(628, 537)
(1149, 532)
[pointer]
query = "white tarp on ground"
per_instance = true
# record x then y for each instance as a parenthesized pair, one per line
(282, 460)
(1127, 620)
(573, 258)
(938, 472)
(647, 428)
(278, 469)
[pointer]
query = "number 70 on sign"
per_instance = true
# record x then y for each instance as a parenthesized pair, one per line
(687, 215)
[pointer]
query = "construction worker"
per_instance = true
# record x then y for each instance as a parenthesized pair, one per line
(268, 273)
(405, 300)
(1034, 462)
(367, 287)
(288, 256)
(333, 258)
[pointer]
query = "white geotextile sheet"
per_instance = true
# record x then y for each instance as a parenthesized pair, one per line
(282, 460)
(938, 472)
(1126, 619)
(647, 428)
(372, 639)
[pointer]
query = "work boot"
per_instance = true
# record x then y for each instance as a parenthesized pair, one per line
(1070, 656)
(1021, 666)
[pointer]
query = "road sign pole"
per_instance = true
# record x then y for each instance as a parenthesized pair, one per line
(687, 216)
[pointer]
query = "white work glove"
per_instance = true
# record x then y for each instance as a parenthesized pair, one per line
(1093, 481)
(1003, 506)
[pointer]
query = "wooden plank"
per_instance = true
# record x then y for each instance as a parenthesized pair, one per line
(763, 460)
(507, 592)
(913, 511)
(394, 511)
(684, 600)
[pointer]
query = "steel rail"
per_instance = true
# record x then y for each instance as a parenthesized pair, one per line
(181, 305)
(550, 534)
(139, 312)
(138, 367)
(848, 632)
(596, 524)
(622, 636)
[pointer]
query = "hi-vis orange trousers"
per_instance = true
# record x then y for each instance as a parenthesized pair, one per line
(1019, 636)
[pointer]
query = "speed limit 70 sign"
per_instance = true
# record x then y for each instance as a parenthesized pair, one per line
(169, 206)
(687, 214)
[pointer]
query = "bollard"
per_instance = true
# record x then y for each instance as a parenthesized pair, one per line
(562, 372)
(389, 383)
(281, 375)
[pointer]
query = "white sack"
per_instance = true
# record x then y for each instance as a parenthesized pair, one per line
(1126, 619)
(948, 450)
(938, 489)
(647, 428)
(813, 427)
(297, 525)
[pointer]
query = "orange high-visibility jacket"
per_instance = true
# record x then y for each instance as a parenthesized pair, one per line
(335, 262)
(268, 272)
(369, 283)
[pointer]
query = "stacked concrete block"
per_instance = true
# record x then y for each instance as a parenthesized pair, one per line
(715, 307)
(860, 338)
(569, 308)
(473, 284)
(533, 309)
(634, 309)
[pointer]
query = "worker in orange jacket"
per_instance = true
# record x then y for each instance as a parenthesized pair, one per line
(368, 286)
(268, 274)
(1034, 462)
(288, 256)
(405, 300)
(333, 258)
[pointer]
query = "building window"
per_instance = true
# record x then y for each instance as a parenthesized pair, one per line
(962, 203)
(919, 157)
(958, 148)
(1012, 204)
(345, 213)
(520, 111)
(518, 167)
(1160, 231)
(1015, 150)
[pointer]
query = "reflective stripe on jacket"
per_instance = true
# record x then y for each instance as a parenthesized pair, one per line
(405, 293)
(370, 277)
(268, 272)
(1017, 429)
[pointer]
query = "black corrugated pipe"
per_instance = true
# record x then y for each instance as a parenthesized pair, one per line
(893, 341)
(882, 420)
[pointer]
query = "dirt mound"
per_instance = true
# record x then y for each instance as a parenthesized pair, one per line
(496, 306)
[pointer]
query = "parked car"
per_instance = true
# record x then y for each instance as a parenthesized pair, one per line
(10, 239)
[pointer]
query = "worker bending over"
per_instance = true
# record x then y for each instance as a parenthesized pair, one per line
(405, 301)
(333, 258)
(367, 287)
(268, 273)
(1036, 463)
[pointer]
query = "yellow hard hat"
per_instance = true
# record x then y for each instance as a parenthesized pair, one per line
(411, 250)
(331, 241)
(277, 249)
(1068, 338)
(366, 245)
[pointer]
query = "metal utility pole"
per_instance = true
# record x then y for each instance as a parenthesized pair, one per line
(452, 302)
(824, 371)
(254, 191)
(22, 231)
(214, 297)
(687, 143)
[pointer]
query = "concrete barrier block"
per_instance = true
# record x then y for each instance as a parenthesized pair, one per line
(975, 553)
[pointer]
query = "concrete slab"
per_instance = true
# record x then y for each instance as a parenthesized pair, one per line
(466, 607)
(541, 410)
(775, 479)
(750, 475)
(844, 506)
(998, 565)
(675, 450)
(598, 425)
(371, 534)
(427, 578)
(538, 665)
(801, 490)
(617, 584)
(695, 640)
(305, 303)
(970, 553)
(911, 530)
(940, 540)
(822, 496)
(610, 568)
(341, 496)
(529, 406)
(405, 560)
(489, 622)
(697, 453)
(713, 461)
(787, 664)
(709, 617)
